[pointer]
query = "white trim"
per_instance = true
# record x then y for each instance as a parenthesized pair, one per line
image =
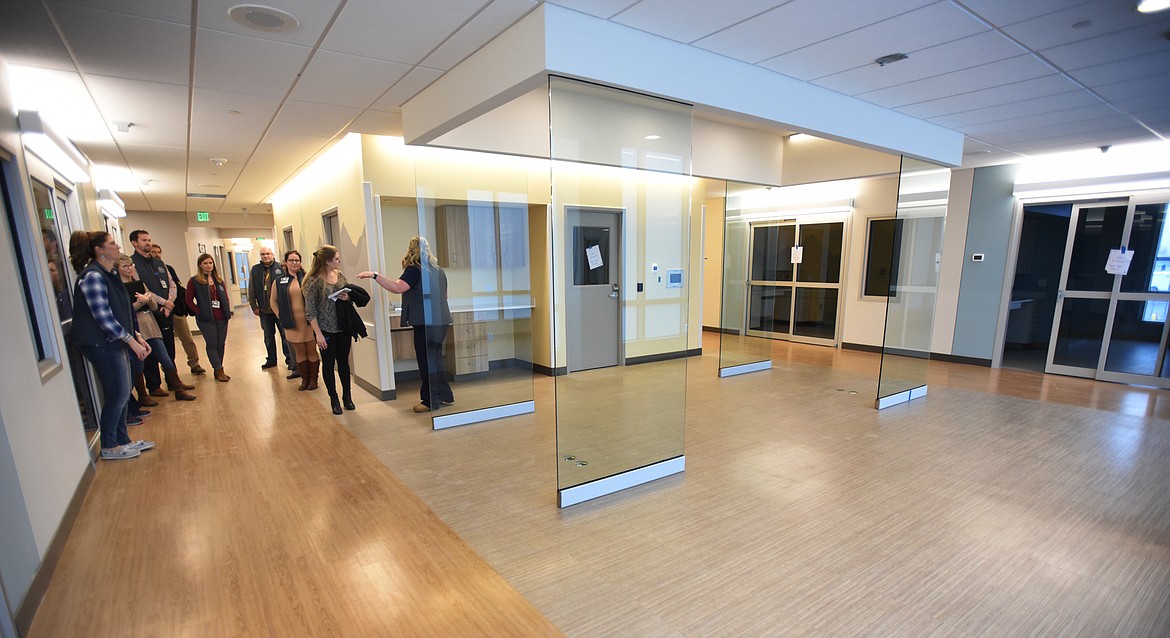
(486, 414)
(618, 482)
(745, 368)
(901, 397)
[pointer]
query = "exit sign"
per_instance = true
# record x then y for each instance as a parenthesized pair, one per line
(48, 213)
(203, 216)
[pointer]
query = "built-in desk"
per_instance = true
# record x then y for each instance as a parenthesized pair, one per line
(466, 346)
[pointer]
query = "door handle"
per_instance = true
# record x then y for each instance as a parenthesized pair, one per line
(613, 294)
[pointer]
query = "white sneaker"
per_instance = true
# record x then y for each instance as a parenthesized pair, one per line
(140, 445)
(124, 452)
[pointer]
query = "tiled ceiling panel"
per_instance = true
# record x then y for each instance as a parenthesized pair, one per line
(29, 37)
(347, 80)
(800, 23)
(1111, 122)
(418, 79)
(602, 8)
(1019, 68)
(1138, 87)
(1005, 12)
(1134, 68)
(270, 70)
(378, 123)
(1033, 122)
(310, 118)
(1120, 45)
(1022, 108)
(230, 123)
(1057, 28)
(160, 51)
(975, 50)
(157, 112)
(177, 12)
(313, 16)
(495, 18)
(397, 30)
(1006, 94)
(688, 20)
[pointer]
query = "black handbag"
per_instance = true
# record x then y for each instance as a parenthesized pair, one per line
(181, 309)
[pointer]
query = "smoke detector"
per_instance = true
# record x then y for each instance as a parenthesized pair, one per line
(261, 18)
(218, 161)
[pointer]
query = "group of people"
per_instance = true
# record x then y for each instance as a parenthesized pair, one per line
(128, 310)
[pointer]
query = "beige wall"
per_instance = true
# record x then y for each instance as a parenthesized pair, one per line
(864, 318)
(713, 262)
(810, 159)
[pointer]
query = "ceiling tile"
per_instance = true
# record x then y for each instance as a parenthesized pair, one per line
(289, 145)
(1019, 68)
(310, 118)
(486, 25)
(1129, 69)
(1090, 128)
(160, 51)
(397, 30)
(157, 111)
(900, 34)
(347, 80)
(1120, 45)
(599, 8)
(1017, 109)
(418, 79)
(271, 67)
(689, 20)
(231, 135)
(1056, 28)
(1032, 122)
(28, 37)
(1149, 85)
(177, 12)
(995, 96)
(1132, 134)
(800, 23)
(1004, 12)
(978, 49)
(378, 123)
(313, 16)
(1138, 104)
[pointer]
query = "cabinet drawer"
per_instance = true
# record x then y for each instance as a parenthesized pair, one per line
(469, 348)
(471, 365)
(468, 331)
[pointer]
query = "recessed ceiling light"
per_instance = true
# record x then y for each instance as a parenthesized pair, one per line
(262, 18)
(1152, 6)
(891, 58)
(653, 137)
(212, 185)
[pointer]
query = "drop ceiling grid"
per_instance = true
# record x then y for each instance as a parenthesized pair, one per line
(1034, 122)
(29, 38)
(160, 51)
(418, 79)
(1074, 98)
(689, 20)
(1114, 121)
(982, 48)
(177, 12)
(985, 76)
(313, 16)
(995, 96)
(486, 25)
(313, 119)
(800, 23)
(364, 29)
(1056, 28)
(157, 111)
(271, 67)
(233, 136)
(1005, 12)
(347, 80)
(1112, 47)
(900, 34)
(600, 8)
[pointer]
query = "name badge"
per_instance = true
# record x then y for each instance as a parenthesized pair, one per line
(285, 280)
(163, 283)
(215, 303)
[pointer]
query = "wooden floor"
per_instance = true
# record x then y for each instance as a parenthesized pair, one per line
(1004, 503)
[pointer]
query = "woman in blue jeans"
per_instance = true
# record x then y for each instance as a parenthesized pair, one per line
(103, 328)
(208, 300)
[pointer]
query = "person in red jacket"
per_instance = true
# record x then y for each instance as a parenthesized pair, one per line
(208, 300)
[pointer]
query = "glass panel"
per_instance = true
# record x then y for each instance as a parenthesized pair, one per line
(590, 256)
(463, 340)
(771, 309)
(922, 194)
(821, 261)
(1150, 243)
(621, 404)
(880, 268)
(1098, 230)
(816, 313)
(736, 346)
(772, 252)
(1082, 329)
(1136, 339)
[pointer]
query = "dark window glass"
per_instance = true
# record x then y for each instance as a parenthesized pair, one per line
(821, 262)
(881, 269)
(586, 240)
(1150, 243)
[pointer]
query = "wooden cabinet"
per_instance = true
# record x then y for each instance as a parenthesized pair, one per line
(466, 347)
(481, 235)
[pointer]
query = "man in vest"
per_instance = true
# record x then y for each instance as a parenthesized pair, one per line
(260, 282)
(153, 273)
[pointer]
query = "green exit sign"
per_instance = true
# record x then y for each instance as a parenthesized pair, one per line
(203, 216)
(48, 213)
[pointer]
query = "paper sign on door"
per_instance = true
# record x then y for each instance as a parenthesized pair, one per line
(1118, 262)
(798, 254)
(593, 253)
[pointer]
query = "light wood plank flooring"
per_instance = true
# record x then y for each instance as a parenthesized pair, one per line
(1005, 503)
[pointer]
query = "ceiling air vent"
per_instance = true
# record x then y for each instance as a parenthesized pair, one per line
(205, 196)
(262, 18)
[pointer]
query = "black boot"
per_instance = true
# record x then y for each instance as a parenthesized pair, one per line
(347, 400)
(335, 404)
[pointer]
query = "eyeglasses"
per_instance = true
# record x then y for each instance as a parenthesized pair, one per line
(294, 261)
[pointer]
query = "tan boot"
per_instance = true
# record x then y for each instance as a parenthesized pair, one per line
(303, 368)
(144, 399)
(181, 393)
(220, 375)
(314, 368)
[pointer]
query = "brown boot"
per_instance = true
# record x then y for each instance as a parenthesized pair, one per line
(144, 399)
(176, 383)
(220, 375)
(159, 392)
(303, 368)
(314, 368)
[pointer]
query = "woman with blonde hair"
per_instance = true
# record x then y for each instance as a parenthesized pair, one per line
(145, 305)
(208, 300)
(289, 305)
(324, 286)
(423, 286)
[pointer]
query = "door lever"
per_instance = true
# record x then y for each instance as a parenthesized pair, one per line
(614, 293)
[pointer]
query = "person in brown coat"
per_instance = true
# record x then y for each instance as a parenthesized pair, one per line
(288, 302)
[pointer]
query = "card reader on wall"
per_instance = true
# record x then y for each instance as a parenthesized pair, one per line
(674, 278)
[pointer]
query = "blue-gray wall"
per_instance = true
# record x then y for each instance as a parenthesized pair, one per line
(989, 232)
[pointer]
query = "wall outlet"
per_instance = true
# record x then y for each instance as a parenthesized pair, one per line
(491, 336)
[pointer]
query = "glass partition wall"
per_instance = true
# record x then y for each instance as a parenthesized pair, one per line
(740, 351)
(470, 329)
(621, 201)
(915, 252)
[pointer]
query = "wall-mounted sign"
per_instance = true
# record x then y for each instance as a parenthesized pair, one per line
(203, 216)
(48, 213)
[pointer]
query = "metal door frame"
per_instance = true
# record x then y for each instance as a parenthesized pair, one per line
(619, 215)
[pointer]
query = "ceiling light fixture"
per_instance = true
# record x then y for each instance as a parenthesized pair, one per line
(218, 161)
(653, 137)
(262, 18)
(110, 204)
(1152, 6)
(891, 58)
(55, 149)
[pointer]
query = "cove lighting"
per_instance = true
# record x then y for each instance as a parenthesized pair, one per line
(51, 147)
(1153, 6)
(1131, 159)
(110, 204)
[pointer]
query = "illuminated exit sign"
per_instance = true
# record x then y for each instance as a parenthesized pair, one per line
(203, 216)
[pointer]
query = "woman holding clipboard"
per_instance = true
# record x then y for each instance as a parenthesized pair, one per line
(324, 286)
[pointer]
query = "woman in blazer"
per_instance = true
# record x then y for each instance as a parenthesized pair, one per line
(288, 302)
(208, 300)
